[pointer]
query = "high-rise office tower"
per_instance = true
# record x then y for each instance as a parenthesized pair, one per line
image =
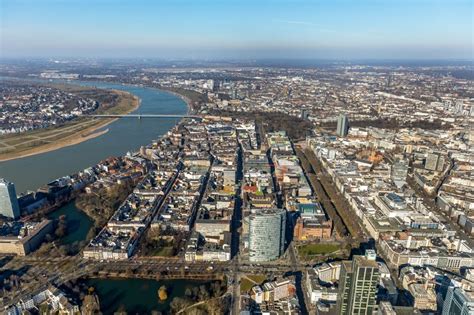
(8, 201)
(358, 285)
(304, 114)
(342, 125)
(266, 234)
(458, 302)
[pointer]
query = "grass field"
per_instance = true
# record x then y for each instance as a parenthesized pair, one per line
(309, 250)
(73, 132)
(249, 281)
(166, 251)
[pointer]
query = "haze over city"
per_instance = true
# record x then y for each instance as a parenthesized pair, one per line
(182, 29)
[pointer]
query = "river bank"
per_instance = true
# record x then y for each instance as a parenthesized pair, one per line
(69, 134)
(124, 135)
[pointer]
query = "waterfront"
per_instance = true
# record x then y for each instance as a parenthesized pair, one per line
(137, 296)
(29, 173)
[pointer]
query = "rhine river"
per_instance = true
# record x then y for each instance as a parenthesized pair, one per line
(125, 134)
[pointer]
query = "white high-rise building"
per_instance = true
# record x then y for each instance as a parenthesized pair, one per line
(266, 234)
(342, 125)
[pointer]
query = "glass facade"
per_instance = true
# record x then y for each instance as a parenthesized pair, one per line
(8, 200)
(358, 286)
(266, 234)
(342, 125)
(458, 302)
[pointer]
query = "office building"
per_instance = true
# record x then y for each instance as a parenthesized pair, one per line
(266, 234)
(358, 284)
(399, 173)
(459, 108)
(386, 308)
(22, 238)
(458, 302)
(431, 161)
(8, 201)
(304, 114)
(342, 125)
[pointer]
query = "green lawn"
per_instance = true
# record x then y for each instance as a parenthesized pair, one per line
(249, 281)
(317, 249)
(166, 251)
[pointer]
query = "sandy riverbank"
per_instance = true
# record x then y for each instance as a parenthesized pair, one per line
(81, 135)
(65, 142)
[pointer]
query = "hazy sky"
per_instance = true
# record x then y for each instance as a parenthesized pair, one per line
(329, 29)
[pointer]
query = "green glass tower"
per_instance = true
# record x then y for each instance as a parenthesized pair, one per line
(358, 285)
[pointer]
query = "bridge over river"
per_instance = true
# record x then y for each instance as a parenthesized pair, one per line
(140, 116)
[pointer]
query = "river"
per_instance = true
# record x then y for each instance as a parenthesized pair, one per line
(125, 134)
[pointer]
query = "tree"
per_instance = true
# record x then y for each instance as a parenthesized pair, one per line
(61, 228)
(162, 294)
(195, 292)
(188, 293)
(178, 303)
(44, 309)
(203, 293)
(48, 238)
(121, 309)
(196, 311)
(216, 289)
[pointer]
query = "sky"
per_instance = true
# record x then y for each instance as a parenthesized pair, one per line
(238, 29)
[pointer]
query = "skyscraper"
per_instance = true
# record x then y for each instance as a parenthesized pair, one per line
(458, 302)
(266, 234)
(304, 114)
(8, 201)
(358, 284)
(342, 125)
